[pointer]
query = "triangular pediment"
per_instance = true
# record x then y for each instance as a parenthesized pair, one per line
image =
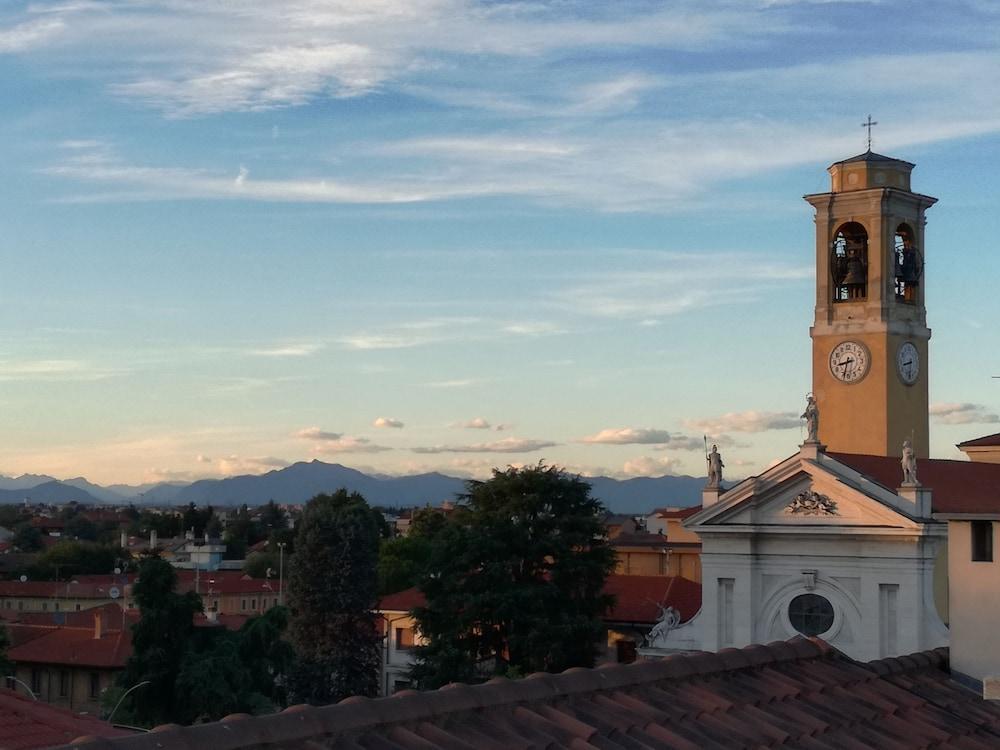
(802, 492)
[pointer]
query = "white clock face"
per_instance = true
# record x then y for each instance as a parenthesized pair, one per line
(908, 363)
(849, 361)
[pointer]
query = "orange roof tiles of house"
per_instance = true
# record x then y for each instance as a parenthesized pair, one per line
(956, 486)
(27, 724)
(636, 598)
(74, 646)
(676, 512)
(983, 442)
(796, 694)
(56, 589)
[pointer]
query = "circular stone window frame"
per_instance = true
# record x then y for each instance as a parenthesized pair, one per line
(830, 595)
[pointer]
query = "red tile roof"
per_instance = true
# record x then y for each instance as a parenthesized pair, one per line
(956, 486)
(26, 724)
(57, 589)
(636, 598)
(74, 646)
(676, 512)
(795, 694)
(987, 441)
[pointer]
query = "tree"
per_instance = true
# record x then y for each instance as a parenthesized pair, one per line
(81, 527)
(6, 667)
(331, 594)
(514, 581)
(69, 558)
(160, 642)
(402, 560)
(26, 538)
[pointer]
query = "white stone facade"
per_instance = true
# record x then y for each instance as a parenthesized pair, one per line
(812, 525)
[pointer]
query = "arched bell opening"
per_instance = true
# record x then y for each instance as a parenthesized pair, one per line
(908, 265)
(849, 263)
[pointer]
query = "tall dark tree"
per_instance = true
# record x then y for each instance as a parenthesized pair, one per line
(160, 642)
(403, 559)
(514, 581)
(331, 594)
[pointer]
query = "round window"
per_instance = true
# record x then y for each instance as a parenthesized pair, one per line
(810, 614)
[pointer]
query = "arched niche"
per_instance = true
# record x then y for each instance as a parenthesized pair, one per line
(908, 265)
(849, 263)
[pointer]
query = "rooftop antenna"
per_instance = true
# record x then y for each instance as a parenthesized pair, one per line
(869, 123)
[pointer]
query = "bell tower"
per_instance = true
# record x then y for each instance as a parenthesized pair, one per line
(870, 331)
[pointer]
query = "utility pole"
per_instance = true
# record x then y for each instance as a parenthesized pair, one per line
(281, 573)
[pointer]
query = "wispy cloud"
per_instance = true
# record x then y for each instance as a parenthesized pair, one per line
(477, 423)
(288, 350)
(507, 445)
(965, 413)
(746, 421)
(315, 433)
(387, 422)
(455, 383)
(647, 466)
(55, 370)
(643, 436)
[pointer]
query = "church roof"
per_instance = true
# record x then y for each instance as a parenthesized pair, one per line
(957, 487)
(983, 442)
(871, 156)
(795, 694)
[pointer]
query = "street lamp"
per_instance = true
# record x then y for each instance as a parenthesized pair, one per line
(281, 572)
(139, 685)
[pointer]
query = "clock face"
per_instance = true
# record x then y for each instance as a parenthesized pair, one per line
(908, 363)
(849, 361)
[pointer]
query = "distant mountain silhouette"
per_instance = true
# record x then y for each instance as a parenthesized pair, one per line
(24, 481)
(49, 492)
(301, 481)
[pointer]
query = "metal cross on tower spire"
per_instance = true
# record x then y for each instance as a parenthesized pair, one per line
(868, 124)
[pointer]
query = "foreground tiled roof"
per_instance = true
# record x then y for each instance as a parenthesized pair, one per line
(636, 598)
(956, 486)
(796, 694)
(26, 724)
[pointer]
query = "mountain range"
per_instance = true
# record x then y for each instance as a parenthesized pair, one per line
(301, 481)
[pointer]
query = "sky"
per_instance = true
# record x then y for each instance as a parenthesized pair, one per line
(416, 235)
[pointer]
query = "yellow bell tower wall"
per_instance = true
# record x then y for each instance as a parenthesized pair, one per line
(870, 292)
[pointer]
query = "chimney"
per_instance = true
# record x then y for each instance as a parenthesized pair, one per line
(189, 534)
(152, 539)
(123, 543)
(98, 626)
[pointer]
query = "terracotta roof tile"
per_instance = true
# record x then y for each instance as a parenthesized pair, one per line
(956, 486)
(799, 694)
(985, 441)
(26, 724)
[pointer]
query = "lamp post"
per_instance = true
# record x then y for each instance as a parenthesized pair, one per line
(281, 573)
(138, 685)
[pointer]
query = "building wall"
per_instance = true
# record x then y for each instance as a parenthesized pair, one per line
(78, 697)
(881, 589)
(50, 604)
(974, 591)
(396, 661)
(644, 561)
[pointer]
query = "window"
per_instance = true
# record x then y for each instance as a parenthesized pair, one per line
(95, 684)
(725, 611)
(982, 541)
(626, 651)
(398, 685)
(20, 605)
(63, 683)
(77, 607)
(810, 614)
(888, 618)
(253, 604)
(908, 266)
(56, 606)
(45, 606)
(243, 604)
(36, 680)
(404, 639)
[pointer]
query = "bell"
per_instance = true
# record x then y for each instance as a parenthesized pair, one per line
(855, 275)
(909, 269)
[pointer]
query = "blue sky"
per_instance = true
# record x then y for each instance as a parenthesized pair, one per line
(412, 235)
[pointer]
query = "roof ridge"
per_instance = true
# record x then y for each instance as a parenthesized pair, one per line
(302, 721)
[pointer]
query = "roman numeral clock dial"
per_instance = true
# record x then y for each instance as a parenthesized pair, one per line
(908, 363)
(849, 361)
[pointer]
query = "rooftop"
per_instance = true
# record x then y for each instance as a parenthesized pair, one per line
(987, 441)
(636, 598)
(956, 486)
(796, 694)
(26, 724)
(871, 156)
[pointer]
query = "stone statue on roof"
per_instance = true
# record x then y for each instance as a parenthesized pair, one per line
(669, 619)
(811, 415)
(909, 465)
(714, 467)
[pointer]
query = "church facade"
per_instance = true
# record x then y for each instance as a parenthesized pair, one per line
(818, 545)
